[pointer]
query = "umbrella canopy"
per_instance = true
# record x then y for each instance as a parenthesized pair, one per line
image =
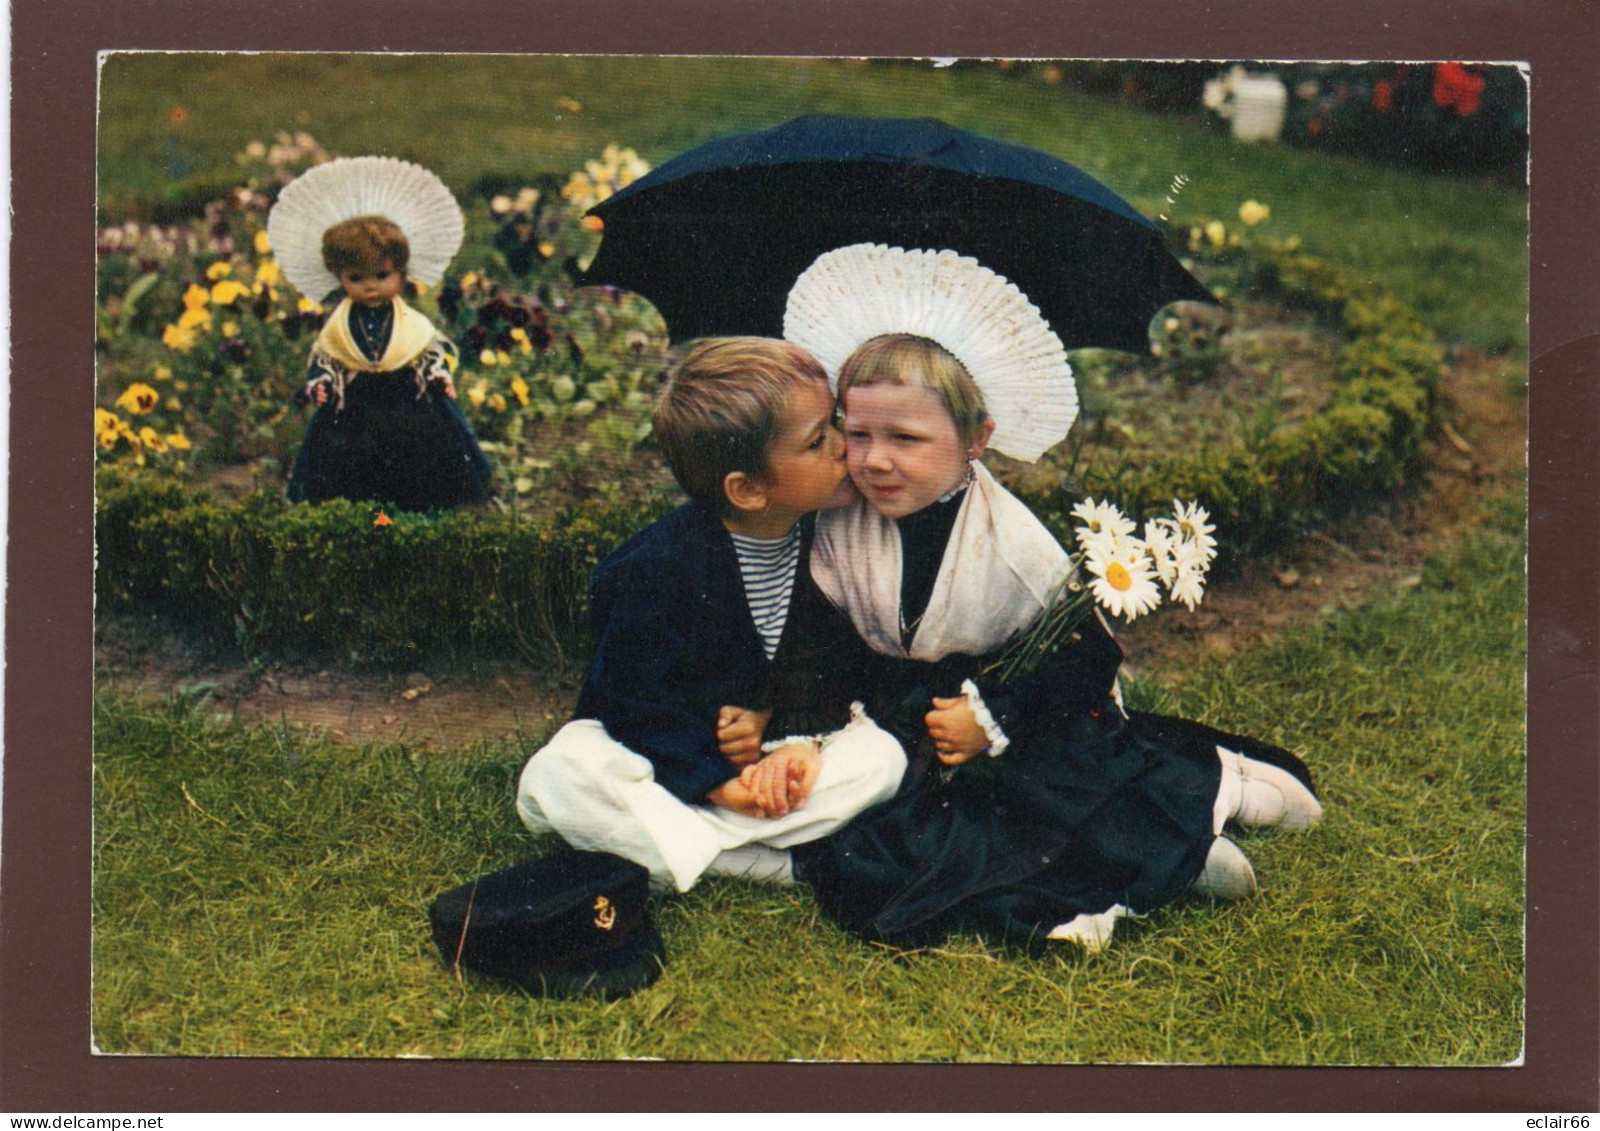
(717, 236)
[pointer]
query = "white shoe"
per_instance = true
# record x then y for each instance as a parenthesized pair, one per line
(1260, 795)
(1227, 874)
(1092, 932)
(754, 862)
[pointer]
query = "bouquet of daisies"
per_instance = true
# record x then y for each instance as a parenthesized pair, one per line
(1125, 575)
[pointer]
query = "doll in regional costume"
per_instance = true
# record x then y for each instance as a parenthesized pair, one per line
(387, 427)
(1035, 807)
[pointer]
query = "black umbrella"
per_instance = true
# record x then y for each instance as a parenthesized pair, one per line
(716, 236)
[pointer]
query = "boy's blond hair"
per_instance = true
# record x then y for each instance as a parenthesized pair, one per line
(721, 409)
(364, 243)
(905, 359)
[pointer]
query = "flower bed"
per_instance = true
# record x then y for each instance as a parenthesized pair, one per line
(1278, 480)
(200, 349)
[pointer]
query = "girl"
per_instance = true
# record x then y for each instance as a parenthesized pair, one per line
(387, 427)
(1038, 809)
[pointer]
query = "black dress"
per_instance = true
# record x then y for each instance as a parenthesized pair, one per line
(395, 439)
(1088, 809)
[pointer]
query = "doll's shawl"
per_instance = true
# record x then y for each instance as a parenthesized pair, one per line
(412, 334)
(999, 570)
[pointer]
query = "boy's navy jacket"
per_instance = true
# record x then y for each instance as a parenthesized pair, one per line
(675, 642)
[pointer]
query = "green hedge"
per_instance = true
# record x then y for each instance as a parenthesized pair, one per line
(1365, 444)
(321, 581)
(325, 581)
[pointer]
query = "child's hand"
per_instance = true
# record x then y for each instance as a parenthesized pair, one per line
(735, 795)
(443, 384)
(739, 731)
(955, 731)
(783, 780)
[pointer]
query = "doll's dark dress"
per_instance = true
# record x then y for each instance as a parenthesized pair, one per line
(388, 436)
(1088, 809)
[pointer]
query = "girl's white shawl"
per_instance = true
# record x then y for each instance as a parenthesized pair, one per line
(999, 571)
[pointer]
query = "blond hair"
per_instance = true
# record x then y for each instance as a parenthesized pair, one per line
(905, 359)
(365, 243)
(721, 408)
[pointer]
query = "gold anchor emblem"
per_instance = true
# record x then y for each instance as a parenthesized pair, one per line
(605, 916)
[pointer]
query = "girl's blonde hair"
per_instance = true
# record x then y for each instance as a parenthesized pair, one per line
(905, 359)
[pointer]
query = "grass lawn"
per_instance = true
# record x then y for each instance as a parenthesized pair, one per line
(262, 892)
(1455, 248)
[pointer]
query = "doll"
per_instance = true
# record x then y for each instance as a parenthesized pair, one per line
(387, 427)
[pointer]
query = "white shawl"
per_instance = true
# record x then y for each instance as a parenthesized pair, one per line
(999, 571)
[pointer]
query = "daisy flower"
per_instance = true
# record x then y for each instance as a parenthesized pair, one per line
(1194, 525)
(1161, 543)
(1189, 583)
(1123, 581)
(1101, 518)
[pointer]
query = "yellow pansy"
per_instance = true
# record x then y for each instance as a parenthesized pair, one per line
(1252, 213)
(268, 273)
(487, 358)
(229, 290)
(519, 389)
(163, 373)
(497, 402)
(230, 329)
(106, 427)
(218, 269)
(470, 278)
(194, 316)
(478, 393)
(178, 440)
(1216, 233)
(196, 297)
(502, 357)
(151, 439)
(138, 398)
(546, 248)
(174, 404)
(263, 244)
(308, 306)
(178, 337)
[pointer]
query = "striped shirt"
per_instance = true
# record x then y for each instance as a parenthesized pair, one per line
(768, 568)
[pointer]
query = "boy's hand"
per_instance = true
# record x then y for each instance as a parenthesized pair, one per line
(735, 795)
(739, 731)
(783, 780)
(955, 731)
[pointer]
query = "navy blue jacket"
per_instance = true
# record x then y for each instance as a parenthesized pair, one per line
(675, 642)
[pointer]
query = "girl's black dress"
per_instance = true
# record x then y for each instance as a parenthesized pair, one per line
(388, 437)
(1089, 809)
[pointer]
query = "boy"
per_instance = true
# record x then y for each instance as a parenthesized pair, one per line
(710, 631)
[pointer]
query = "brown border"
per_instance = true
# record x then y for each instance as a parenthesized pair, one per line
(44, 869)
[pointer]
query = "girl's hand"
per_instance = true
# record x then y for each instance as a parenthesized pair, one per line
(955, 731)
(443, 384)
(739, 732)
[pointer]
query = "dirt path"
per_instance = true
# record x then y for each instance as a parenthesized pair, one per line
(1482, 448)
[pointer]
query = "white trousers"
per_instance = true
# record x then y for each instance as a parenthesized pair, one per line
(599, 795)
